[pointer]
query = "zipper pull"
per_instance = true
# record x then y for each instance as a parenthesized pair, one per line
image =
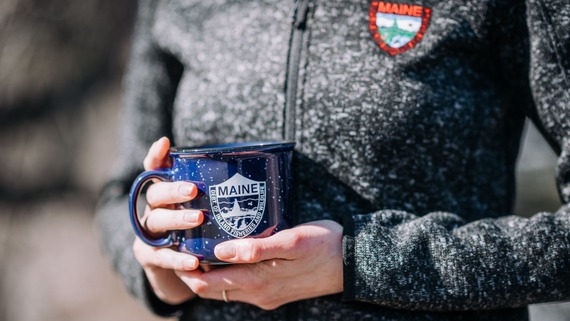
(298, 14)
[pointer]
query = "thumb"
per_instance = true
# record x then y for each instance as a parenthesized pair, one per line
(278, 246)
(157, 156)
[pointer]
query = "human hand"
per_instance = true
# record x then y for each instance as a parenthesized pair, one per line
(298, 263)
(161, 216)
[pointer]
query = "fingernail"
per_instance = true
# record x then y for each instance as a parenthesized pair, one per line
(187, 189)
(225, 251)
(191, 217)
(188, 263)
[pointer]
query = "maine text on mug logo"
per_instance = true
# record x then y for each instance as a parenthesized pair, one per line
(238, 205)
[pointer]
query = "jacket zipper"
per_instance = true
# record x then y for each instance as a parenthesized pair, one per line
(298, 23)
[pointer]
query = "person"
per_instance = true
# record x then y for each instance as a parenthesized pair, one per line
(407, 118)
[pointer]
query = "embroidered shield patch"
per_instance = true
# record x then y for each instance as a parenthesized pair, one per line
(238, 205)
(397, 27)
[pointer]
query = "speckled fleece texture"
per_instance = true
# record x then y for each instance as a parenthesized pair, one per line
(413, 154)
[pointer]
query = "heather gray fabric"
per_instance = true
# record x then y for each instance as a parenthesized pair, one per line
(413, 154)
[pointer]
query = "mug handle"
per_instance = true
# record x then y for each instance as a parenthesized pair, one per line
(163, 174)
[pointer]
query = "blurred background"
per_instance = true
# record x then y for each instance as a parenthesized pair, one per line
(61, 64)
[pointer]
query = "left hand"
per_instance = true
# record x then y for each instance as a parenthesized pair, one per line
(294, 264)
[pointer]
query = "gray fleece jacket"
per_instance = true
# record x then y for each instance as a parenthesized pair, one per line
(407, 118)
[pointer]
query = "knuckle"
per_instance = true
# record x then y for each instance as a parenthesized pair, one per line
(174, 219)
(253, 250)
(164, 259)
(256, 285)
(200, 288)
(153, 222)
(176, 263)
(173, 188)
(179, 221)
(174, 191)
(152, 194)
(296, 241)
(267, 304)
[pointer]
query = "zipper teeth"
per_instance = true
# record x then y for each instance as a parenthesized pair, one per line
(298, 19)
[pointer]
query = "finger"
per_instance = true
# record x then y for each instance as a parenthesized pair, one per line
(157, 156)
(235, 280)
(168, 286)
(165, 193)
(210, 284)
(282, 245)
(161, 220)
(166, 258)
(169, 259)
(209, 291)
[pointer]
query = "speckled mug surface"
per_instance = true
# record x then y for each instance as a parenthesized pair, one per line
(244, 191)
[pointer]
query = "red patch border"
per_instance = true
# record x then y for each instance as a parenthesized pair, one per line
(426, 15)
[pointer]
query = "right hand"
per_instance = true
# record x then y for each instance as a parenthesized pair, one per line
(161, 216)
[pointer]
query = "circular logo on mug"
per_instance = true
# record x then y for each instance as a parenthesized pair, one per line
(238, 205)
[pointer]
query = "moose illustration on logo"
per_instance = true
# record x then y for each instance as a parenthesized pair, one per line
(238, 205)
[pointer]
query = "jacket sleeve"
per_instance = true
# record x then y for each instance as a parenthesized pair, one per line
(438, 262)
(150, 86)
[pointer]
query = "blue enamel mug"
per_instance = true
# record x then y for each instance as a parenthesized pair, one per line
(244, 191)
